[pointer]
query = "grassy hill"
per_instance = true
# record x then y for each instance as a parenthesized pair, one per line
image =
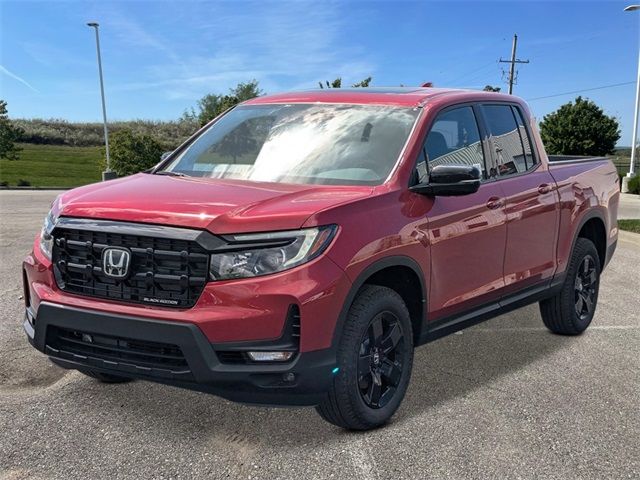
(52, 166)
(73, 166)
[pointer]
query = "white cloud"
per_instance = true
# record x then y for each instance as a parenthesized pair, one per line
(280, 44)
(16, 77)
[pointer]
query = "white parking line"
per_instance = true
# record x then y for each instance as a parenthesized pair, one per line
(542, 329)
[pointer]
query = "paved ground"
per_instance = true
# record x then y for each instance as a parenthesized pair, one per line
(505, 399)
(629, 206)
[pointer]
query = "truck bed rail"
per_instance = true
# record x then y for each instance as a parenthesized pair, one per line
(574, 158)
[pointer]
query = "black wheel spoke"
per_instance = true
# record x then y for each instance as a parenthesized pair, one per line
(380, 360)
(374, 393)
(585, 266)
(587, 302)
(365, 380)
(391, 371)
(376, 330)
(585, 287)
(386, 396)
(579, 304)
(390, 341)
(364, 363)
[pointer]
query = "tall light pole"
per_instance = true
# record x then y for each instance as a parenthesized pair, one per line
(634, 137)
(108, 174)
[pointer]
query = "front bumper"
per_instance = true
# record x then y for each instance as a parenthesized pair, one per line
(302, 381)
(242, 310)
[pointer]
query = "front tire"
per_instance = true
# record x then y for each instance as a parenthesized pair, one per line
(375, 356)
(571, 310)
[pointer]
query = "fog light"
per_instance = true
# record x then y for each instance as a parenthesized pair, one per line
(270, 356)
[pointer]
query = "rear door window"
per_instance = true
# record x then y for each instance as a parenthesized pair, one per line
(526, 139)
(505, 136)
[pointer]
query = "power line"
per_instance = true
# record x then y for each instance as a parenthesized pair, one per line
(580, 91)
(460, 77)
(513, 62)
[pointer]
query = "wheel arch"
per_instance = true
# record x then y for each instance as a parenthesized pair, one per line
(403, 275)
(593, 227)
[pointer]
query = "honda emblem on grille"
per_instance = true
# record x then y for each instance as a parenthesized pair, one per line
(115, 262)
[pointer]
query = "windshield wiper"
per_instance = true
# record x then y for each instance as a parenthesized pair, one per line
(171, 174)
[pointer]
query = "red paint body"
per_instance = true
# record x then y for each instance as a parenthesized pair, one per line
(469, 254)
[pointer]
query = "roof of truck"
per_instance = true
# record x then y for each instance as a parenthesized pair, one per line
(400, 96)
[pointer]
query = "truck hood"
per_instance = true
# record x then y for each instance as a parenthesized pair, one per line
(220, 206)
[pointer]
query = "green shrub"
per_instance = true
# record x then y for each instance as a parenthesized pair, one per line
(634, 184)
(24, 183)
(61, 132)
(4, 183)
(579, 128)
(629, 225)
(132, 153)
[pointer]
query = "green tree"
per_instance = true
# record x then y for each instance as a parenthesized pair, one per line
(9, 135)
(579, 128)
(362, 83)
(212, 105)
(247, 90)
(337, 83)
(491, 88)
(132, 153)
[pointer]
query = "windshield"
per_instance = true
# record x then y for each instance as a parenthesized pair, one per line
(300, 143)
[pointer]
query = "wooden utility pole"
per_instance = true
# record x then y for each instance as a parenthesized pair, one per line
(513, 62)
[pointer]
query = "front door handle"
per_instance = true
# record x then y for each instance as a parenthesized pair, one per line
(544, 188)
(494, 202)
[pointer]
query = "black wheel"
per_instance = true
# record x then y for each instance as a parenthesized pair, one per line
(571, 310)
(375, 356)
(105, 377)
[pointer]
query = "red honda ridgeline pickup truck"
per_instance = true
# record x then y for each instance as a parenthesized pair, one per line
(295, 250)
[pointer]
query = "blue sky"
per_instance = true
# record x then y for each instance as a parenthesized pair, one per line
(161, 56)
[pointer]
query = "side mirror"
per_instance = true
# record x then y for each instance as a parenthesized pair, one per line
(450, 180)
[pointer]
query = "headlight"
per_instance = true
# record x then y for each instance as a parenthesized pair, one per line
(251, 255)
(46, 239)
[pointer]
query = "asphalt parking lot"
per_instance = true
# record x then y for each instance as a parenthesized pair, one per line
(505, 399)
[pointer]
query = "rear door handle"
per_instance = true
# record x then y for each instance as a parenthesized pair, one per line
(544, 188)
(494, 202)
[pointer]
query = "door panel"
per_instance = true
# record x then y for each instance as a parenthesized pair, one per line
(532, 229)
(468, 235)
(531, 206)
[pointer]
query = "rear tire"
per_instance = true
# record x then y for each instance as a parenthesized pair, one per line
(375, 356)
(571, 310)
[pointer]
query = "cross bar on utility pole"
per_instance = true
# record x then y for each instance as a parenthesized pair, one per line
(513, 62)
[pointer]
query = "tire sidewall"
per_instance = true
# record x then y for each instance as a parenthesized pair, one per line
(583, 248)
(349, 353)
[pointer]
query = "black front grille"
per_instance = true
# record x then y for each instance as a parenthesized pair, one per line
(116, 353)
(169, 272)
